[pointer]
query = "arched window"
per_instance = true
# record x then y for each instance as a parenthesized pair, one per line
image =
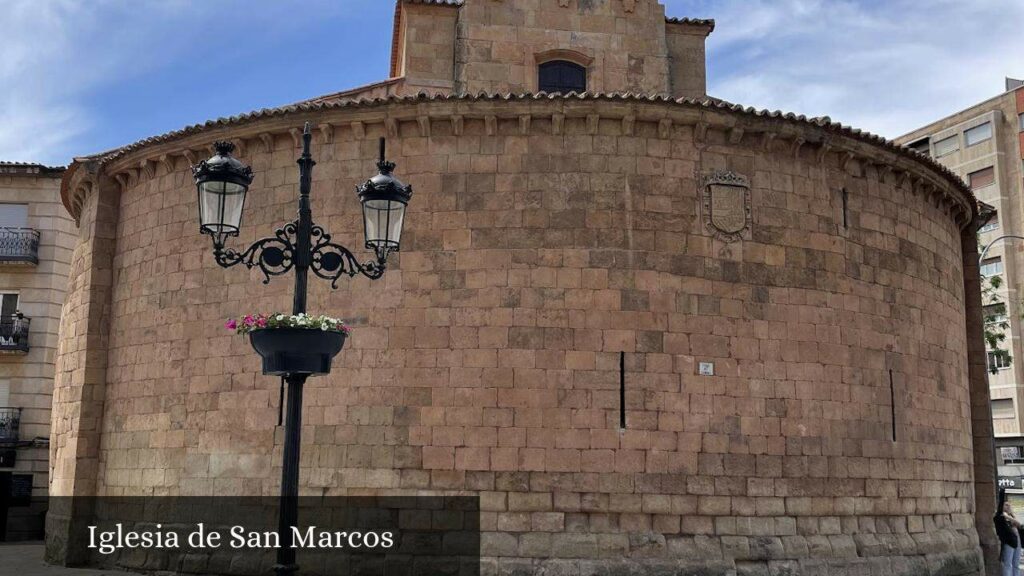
(562, 76)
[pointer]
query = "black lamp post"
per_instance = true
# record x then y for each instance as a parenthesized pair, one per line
(222, 183)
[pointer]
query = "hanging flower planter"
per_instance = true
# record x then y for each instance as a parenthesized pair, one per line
(297, 344)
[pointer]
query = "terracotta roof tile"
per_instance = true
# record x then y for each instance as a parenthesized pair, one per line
(352, 91)
(29, 168)
(709, 22)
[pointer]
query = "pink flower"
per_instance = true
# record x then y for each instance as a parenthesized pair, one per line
(249, 320)
(261, 322)
(231, 325)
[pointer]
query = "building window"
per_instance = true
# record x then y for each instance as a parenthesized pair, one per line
(992, 267)
(978, 134)
(9, 321)
(922, 146)
(998, 360)
(992, 224)
(1020, 121)
(13, 215)
(982, 178)
(8, 304)
(994, 313)
(1002, 408)
(562, 76)
(947, 146)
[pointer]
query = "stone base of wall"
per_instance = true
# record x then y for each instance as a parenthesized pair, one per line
(940, 564)
(941, 552)
(959, 563)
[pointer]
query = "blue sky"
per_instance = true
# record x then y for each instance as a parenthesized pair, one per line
(82, 76)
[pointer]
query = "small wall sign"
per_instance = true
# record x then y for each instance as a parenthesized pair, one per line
(707, 369)
(1010, 482)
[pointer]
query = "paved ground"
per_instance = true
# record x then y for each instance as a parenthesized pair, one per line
(27, 560)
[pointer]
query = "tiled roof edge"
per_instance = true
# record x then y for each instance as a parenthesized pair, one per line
(356, 90)
(710, 103)
(29, 168)
(708, 22)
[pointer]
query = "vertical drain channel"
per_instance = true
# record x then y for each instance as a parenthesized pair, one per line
(892, 404)
(622, 390)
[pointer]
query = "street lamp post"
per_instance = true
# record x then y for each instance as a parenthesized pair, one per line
(993, 243)
(302, 246)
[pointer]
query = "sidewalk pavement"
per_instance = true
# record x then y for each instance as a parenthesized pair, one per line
(26, 559)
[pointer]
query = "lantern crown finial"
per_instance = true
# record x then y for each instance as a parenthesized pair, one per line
(385, 167)
(223, 166)
(223, 147)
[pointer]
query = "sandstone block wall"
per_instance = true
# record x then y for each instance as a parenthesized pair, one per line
(499, 42)
(497, 46)
(544, 241)
(425, 47)
(687, 60)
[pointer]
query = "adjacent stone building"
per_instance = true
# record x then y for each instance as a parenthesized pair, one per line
(984, 145)
(36, 238)
(790, 306)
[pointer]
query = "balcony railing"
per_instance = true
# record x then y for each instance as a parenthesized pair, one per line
(19, 245)
(10, 421)
(14, 333)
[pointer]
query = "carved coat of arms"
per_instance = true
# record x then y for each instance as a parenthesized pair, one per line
(726, 205)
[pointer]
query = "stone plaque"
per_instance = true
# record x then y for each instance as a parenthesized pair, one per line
(726, 205)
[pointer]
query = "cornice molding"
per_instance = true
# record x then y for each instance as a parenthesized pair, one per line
(831, 144)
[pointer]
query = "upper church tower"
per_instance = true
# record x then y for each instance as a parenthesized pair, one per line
(497, 46)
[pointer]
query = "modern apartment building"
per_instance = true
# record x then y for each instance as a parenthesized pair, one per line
(36, 240)
(984, 144)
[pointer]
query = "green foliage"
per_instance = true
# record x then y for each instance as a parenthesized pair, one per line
(997, 322)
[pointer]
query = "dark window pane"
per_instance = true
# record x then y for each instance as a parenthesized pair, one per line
(9, 305)
(562, 76)
(982, 178)
(978, 134)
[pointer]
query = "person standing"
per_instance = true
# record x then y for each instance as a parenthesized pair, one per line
(1008, 528)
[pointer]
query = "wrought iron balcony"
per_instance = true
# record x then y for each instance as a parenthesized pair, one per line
(19, 245)
(10, 421)
(14, 334)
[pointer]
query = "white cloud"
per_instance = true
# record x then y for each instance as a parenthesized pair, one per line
(883, 66)
(32, 120)
(54, 54)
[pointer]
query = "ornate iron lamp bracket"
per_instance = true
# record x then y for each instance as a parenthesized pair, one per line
(277, 255)
(332, 261)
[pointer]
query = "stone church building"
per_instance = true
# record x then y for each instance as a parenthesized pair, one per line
(650, 329)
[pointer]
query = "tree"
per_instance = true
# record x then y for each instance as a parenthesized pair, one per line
(997, 322)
